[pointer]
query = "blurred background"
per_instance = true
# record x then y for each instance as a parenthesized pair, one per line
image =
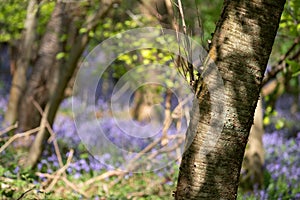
(42, 45)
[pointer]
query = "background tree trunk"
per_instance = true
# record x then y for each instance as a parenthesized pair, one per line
(241, 46)
(252, 167)
(19, 81)
(60, 79)
(43, 70)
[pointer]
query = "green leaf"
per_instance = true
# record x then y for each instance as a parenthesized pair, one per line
(296, 74)
(2, 170)
(60, 55)
(267, 120)
(91, 34)
(269, 109)
(83, 30)
(84, 156)
(63, 37)
(279, 124)
(169, 83)
(295, 67)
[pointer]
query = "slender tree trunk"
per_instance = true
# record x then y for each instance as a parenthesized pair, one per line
(252, 168)
(168, 118)
(63, 75)
(60, 80)
(241, 46)
(13, 50)
(162, 10)
(19, 81)
(43, 70)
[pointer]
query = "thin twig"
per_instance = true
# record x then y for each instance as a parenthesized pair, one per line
(166, 149)
(141, 153)
(182, 16)
(75, 188)
(38, 107)
(18, 135)
(60, 171)
(23, 194)
(120, 173)
(199, 23)
(102, 177)
(52, 134)
(281, 64)
(150, 157)
(7, 129)
(68, 183)
(188, 49)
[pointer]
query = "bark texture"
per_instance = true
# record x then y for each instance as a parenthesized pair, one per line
(240, 48)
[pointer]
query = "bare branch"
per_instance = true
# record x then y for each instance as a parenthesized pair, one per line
(23, 194)
(281, 64)
(18, 135)
(182, 16)
(60, 171)
(52, 134)
(7, 129)
(67, 182)
(102, 177)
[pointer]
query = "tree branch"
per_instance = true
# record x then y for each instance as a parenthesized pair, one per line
(281, 64)
(60, 171)
(7, 129)
(18, 135)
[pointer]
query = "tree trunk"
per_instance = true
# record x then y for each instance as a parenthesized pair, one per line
(241, 46)
(19, 81)
(162, 10)
(43, 69)
(252, 167)
(168, 118)
(63, 75)
(60, 80)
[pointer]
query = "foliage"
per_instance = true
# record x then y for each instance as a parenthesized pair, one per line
(209, 12)
(290, 18)
(286, 47)
(45, 10)
(12, 15)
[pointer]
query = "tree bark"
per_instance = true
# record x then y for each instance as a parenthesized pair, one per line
(241, 46)
(60, 80)
(19, 81)
(40, 80)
